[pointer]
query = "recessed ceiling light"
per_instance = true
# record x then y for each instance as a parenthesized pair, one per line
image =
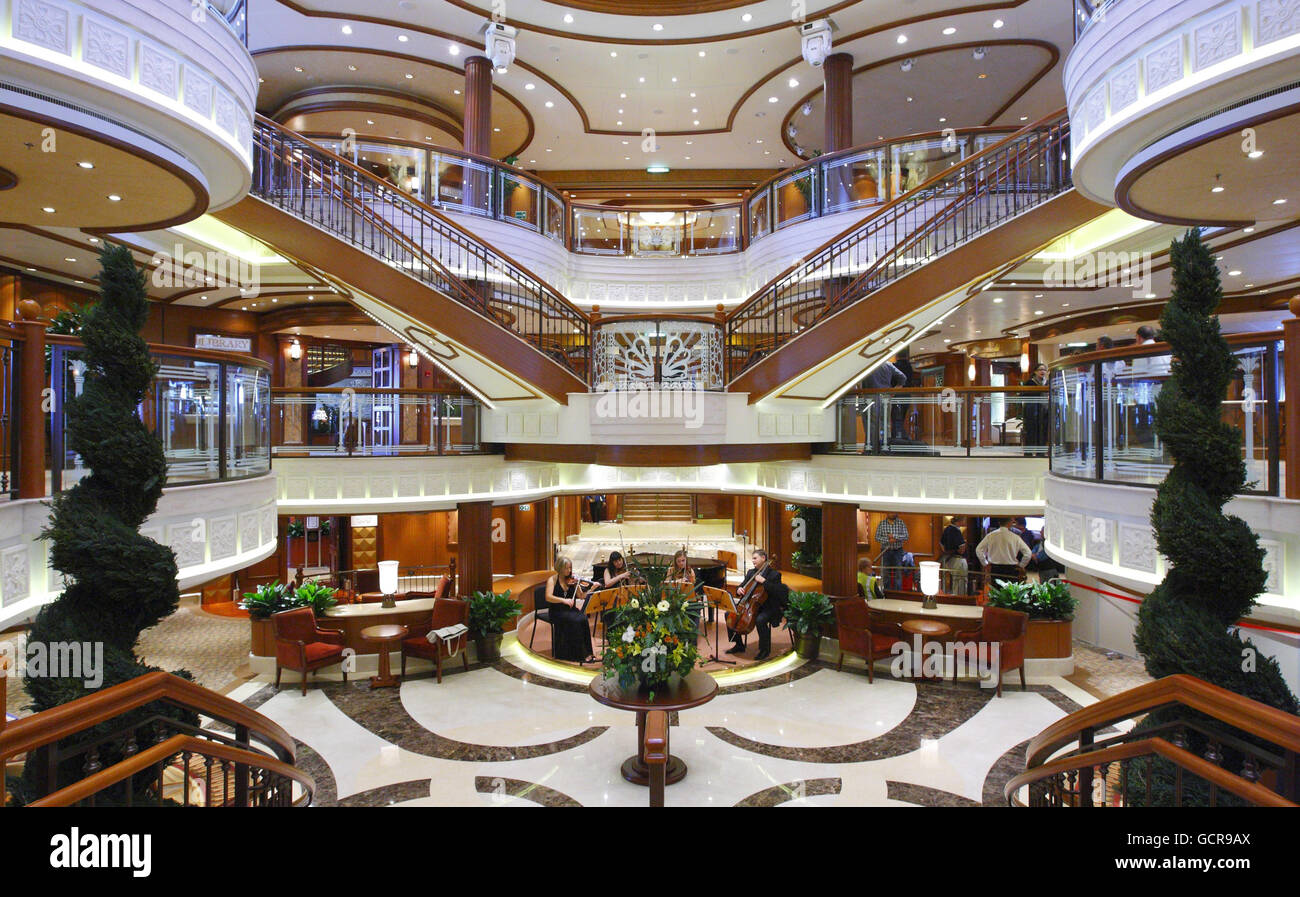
(657, 27)
(113, 197)
(550, 105)
(1249, 230)
(902, 38)
(1217, 188)
(347, 29)
(403, 38)
(1279, 202)
(94, 239)
(409, 76)
(1150, 295)
(530, 86)
(746, 17)
(701, 52)
(793, 82)
(774, 99)
(352, 68)
(697, 122)
(297, 68)
(568, 18)
(456, 92)
(950, 30)
(1024, 118)
(85, 164)
(48, 209)
(1038, 312)
(613, 53)
(997, 299)
(998, 23)
(641, 79)
(69, 258)
(1255, 155)
(454, 49)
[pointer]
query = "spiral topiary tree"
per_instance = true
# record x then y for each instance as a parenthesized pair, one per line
(118, 582)
(1215, 562)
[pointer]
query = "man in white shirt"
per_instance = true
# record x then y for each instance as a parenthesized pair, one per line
(1003, 552)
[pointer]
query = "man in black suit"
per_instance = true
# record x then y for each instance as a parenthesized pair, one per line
(773, 608)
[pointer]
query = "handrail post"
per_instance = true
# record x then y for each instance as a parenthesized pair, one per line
(1291, 375)
(1086, 740)
(31, 411)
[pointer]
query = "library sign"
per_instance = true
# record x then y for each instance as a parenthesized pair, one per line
(223, 343)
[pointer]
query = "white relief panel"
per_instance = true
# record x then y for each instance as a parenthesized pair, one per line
(937, 487)
(909, 485)
(15, 575)
(325, 487)
(1276, 19)
(996, 488)
(297, 488)
(1124, 88)
(44, 24)
(1137, 547)
(966, 488)
(1024, 489)
(268, 524)
(1100, 539)
(354, 487)
(882, 485)
(1216, 40)
(248, 532)
(1164, 65)
(1274, 561)
(160, 73)
(221, 538)
(106, 47)
(408, 485)
(381, 487)
(1072, 532)
(183, 539)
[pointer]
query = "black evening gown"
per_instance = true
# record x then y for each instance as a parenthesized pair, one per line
(571, 636)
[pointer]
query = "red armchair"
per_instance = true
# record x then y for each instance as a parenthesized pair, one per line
(446, 612)
(863, 634)
(1006, 629)
(301, 645)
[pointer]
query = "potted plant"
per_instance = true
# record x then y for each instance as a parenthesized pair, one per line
(316, 595)
(1050, 607)
(488, 614)
(808, 558)
(261, 603)
(805, 615)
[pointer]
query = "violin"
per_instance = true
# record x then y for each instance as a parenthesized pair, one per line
(750, 596)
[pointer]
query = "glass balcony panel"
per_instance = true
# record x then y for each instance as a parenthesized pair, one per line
(248, 443)
(854, 181)
(520, 200)
(599, 231)
(1073, 410)
(796, 197)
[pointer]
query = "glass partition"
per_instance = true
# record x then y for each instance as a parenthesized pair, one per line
(520, 200)
(373, 422)
(212, 415)
(1110, 433)
(597, 231)
(462, 184)
(854, 181)
(936, 421)
(796, 197)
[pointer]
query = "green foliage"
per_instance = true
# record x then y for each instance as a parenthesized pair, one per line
(810, 555)
(295, 529)
(1049, 600)
(1215, 561)
(652, 636)
(807, 612)
(316, 595)
(266, 599)
(489, 612)
(69, 322)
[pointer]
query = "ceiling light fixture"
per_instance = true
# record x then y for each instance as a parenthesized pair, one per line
(998, 24)
(454, 49)
(403, 38)
(949, 31)
(85, 164)
(902, 38)
(347, 29)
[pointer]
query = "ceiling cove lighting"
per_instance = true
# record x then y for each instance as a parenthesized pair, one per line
(657, 168)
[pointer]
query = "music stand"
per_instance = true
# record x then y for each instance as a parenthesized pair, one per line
(720, 600)
(605, 599)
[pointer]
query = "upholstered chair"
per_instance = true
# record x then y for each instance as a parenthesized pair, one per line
(864, 634)
(1006, 629)
(301, 645)
(446, 612)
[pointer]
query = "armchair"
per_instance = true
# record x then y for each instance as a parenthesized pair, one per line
(446, 612)
(864, 634)
(1006, 629)
(301, 645)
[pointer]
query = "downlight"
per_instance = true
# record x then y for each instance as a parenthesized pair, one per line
(657, 168)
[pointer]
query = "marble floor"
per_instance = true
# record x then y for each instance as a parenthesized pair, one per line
(520, 733)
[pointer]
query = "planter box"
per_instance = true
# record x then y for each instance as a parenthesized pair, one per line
(1049, 638)
(262, 637)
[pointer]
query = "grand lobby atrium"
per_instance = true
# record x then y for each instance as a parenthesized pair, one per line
(454, 403)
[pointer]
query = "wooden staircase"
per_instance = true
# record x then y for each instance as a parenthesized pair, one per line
(649, 506)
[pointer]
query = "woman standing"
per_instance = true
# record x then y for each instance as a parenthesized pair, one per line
(565, 597)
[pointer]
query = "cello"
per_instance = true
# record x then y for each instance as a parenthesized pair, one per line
(749, 598)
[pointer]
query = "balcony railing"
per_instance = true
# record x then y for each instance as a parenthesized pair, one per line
(639, 351)
(365, 211)
(968, 199)
(1103, 417)
(948, 421)
(1089, 12)
(373, 422)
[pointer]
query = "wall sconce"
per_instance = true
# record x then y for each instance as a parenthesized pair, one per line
(930, 583)
(388, 582)
(295, 350)
(1024, 362)
(970, 371)
(412, 359)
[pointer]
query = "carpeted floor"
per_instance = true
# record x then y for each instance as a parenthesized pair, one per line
(1104, 673)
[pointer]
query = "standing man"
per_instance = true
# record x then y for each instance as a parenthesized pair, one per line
(899, 409)
(1033, 435)
(885, 376)
(953, 538)
(1003, 552)
(892, 535)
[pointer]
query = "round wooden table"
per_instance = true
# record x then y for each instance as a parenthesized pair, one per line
(384, 634)
(927, 628)
(678, 694)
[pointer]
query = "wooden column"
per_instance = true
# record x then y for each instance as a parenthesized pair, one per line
(31, 404)
(839, 548)
(1291, 431)
(774, 538)
(478, 105)
(838, 70)
(474, 536)
(10, 293)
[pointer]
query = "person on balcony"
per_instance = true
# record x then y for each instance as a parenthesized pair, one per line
(892, 535)
(885, 376)
(1034, 433)
(1003, 553)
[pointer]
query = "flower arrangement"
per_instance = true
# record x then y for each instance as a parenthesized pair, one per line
(653, 635)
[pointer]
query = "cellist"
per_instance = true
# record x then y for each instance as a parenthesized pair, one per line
(773, 609)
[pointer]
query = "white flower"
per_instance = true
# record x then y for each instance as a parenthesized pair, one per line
(662, 606)
(629, 634)
(634, 604)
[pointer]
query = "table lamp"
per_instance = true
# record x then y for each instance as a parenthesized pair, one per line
(388, 582)
(930, 583)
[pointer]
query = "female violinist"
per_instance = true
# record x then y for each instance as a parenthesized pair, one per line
(565, 598)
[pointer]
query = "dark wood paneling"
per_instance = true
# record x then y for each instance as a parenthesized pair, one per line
(839, 548)
(474, 550)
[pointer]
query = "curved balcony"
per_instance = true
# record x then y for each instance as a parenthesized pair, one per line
(657, 351)
(333, 422)
(1148, 79)
(156, 95)
(970, 421)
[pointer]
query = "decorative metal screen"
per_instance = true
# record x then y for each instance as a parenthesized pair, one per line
(684, 354)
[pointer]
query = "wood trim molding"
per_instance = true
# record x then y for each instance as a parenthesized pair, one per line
(658, 455)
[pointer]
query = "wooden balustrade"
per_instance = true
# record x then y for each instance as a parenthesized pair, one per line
(1264, 741)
